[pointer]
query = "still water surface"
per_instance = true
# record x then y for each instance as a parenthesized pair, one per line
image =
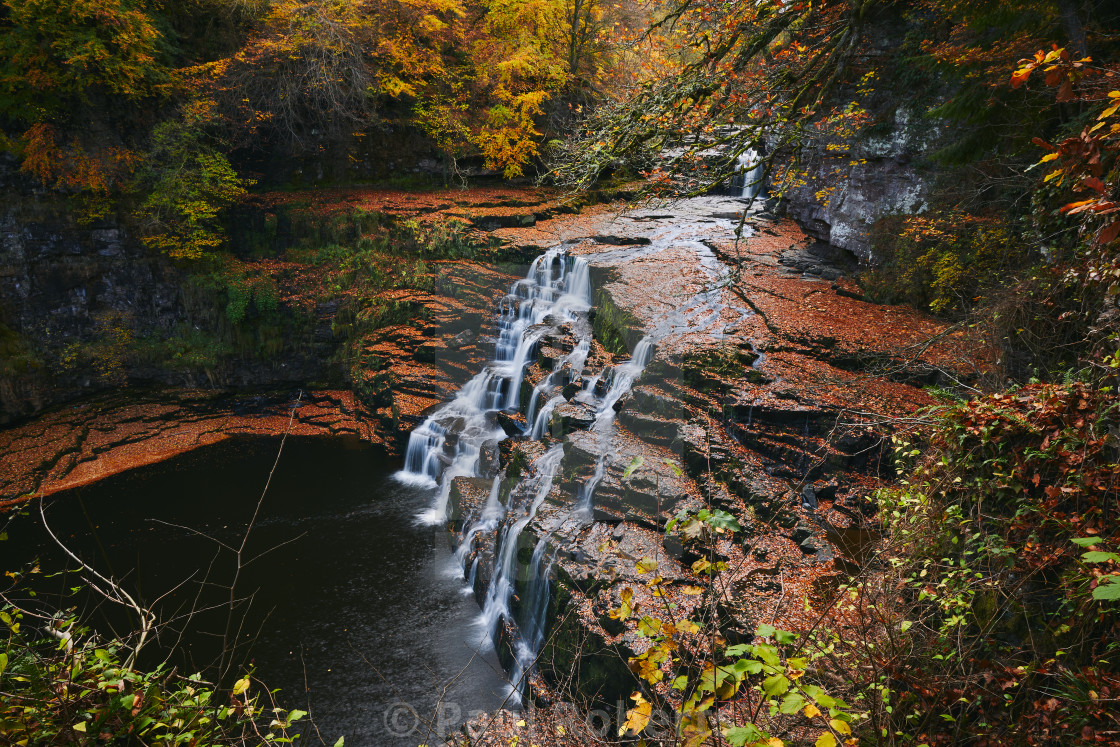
(358, 613)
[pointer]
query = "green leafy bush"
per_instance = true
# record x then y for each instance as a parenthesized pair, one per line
(948, 264)
(993, 621)
(62, 684)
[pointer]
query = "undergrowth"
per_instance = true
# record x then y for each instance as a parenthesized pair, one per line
(990, 620)
(61, 683)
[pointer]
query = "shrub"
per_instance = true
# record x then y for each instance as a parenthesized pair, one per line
(61, 684)
(949, 263)
(984, 624)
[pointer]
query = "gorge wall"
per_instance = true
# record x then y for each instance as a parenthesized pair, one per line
(846, 187)
(85, 307)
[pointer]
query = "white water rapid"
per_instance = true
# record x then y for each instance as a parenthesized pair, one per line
(748, 168)
(556, 292)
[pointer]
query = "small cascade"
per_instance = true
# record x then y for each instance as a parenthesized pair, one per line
(540, 423)
(504, 580)
(555, 292)
(572, 364)
(532, 622)
(492, 513)
(447, 444)
(748, 173)
(621, 380)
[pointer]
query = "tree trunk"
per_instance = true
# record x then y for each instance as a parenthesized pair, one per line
(1074, 29)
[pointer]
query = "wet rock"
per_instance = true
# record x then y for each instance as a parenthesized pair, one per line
(467, 497)
(571, 416)
(801, 532)
(651, 401)
(820, 260)
(826, 492)
(641, 500)
(512, 423)
(819, 548)
(621, 240)
(489, 458)
(648, 428)
(466, 337)
(809, 498)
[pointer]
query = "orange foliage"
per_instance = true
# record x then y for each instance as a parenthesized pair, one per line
(72, 167)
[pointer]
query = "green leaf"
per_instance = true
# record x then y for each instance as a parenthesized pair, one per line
(673, 466)
(817, 694)
(768, 654)
(1085, 541)
(765, 631)
(750, 666)
(791, 703)
(784, 636)
(296, 715)
(775, 684)
(722, 521)
(737, 736)
(738, 649)
(3, 662)
(341, 741)
(634, 465)
(1099, 556)
(1108, 592)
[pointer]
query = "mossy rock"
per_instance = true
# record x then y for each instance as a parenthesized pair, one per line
(597, 670)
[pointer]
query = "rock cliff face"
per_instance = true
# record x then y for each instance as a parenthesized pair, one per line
(847, 190)
(57, 278)
(78, 301)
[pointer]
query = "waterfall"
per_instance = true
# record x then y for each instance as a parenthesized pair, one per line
(446, 445)
(505, 575)
(556, 290)
(622, 378)
(534, 609)
(748, 169)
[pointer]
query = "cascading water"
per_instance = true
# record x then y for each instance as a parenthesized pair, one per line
(555, 292)
(621, 380)
(504, 579)
(749, 166)
(448, 443)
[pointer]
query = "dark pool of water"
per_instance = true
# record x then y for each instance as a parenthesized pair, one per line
(357, 613)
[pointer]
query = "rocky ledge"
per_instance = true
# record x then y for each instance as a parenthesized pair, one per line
(772, 394)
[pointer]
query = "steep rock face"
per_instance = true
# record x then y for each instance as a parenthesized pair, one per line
(847, 190)
(70, 292)
(57, 279)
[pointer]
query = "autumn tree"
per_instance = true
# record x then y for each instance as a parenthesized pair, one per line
(782, 74)
(745, 71)
(66, 62)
